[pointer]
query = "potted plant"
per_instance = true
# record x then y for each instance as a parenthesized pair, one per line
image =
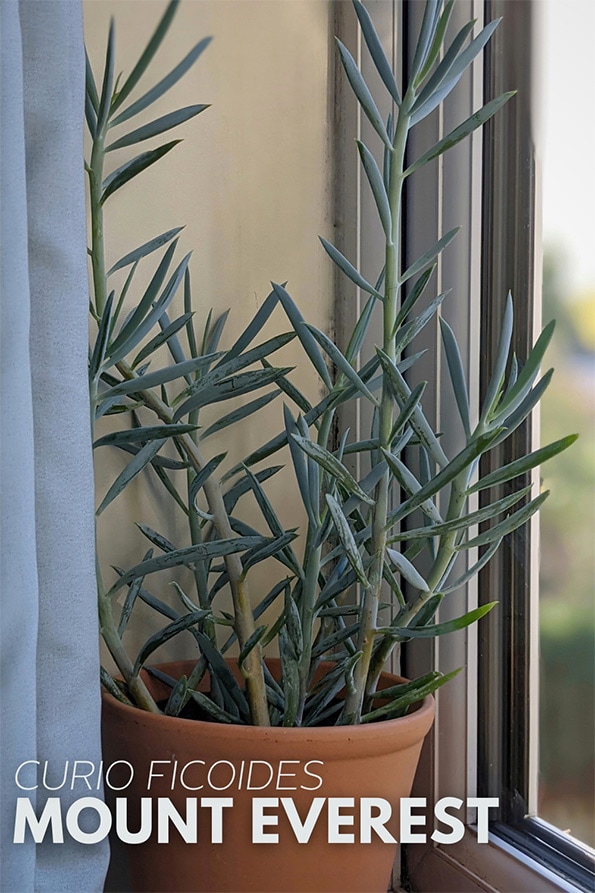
(284, 728)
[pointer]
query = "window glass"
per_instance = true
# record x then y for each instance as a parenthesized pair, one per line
(567, 603)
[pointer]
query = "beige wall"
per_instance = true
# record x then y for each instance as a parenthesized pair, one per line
(251, 182)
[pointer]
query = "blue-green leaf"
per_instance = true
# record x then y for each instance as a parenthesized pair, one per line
(245, 411)
(341, 362)
(142, 435)
(108, 80)
(378, 190)
(524, 464)
(449, 626)
(131, 168)
(499, 369)
(164, 635)
(429, 256)
(308, 342)
(360, 88)
(160, 125)
(378, 55)
(345, 535)
(477, 119)
(407, 570)
(136, 465)
(143, 250)
(187, 557)
(457, 374)
(164, 85)
(348, 268)
(148, 53)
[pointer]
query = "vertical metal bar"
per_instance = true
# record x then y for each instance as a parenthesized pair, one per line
(508, 687)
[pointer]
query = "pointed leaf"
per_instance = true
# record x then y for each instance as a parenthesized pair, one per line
(501, 359)
(418, 421)
(474, 569)
(245, 411)
(101, 341)
(147, 300)
(108, 80)
(252, 642)
(153, 316)
(347, 540)
(399, 706)
(160, 125)
(426, 259)
(364, 97)
(90, 85)
(308, 342)
(136, 465)
(148, 53)
(437, 42)
(426, 35)
(443, 70)
(129, 170)
(378, 190)
(449, 626)
(465, 521)
(142, 435)
(348, 268)
(361, 328)
(514, 521)
(334, 467)
(164, 635)
(524, 464)
(255, 326)
(457, 374)
(186, 557)
(156, 378)
(177, 698)
(379, 59)
(143, 250)
(527, 375)
(512, 422)
(342, 364)
(414, 295)
(477, 119)
(460, 463)
(159, 340)
(407, 570)
(164, 85)
(203, 475)
(236, 386)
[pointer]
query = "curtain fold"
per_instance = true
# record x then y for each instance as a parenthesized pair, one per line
(49, 644)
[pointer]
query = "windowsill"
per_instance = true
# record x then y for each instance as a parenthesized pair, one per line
(465, 868)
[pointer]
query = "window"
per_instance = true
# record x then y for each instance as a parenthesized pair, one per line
(485, 742)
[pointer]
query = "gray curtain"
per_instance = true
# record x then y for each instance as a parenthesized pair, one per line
(49, 642)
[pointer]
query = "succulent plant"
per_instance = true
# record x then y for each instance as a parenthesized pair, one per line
(355, 556)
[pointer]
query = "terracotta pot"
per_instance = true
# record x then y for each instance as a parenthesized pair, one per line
(368, 761)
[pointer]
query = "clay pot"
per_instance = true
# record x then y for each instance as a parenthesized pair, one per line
(376, 760)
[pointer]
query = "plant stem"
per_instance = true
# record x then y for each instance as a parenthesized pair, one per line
(371, 600)
(245, 625)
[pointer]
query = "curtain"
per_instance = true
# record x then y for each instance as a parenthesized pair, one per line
(50, 707)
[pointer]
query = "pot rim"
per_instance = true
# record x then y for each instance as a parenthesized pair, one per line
(422, 716)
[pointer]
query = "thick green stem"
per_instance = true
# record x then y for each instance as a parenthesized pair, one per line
(107, 625)
(444, 555)
(371, 602)
(244, 617)
(312, 561)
